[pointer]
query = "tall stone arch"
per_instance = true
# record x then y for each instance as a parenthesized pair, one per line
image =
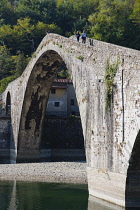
(34, 105)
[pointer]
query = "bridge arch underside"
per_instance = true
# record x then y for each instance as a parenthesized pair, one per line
(132, 191)
(29, 148)
(34, 105)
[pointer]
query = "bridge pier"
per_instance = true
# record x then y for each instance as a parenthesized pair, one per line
(13, 156)
(107, 185)
(30, 156)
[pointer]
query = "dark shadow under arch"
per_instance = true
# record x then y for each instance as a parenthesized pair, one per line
(33, 109)
(10, 130)
(132, 193)
(7, 145)
(8, 104)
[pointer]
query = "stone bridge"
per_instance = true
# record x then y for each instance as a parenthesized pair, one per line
(106, 79)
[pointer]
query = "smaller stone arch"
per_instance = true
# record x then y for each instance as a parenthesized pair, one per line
(8, 104)
(132, 191)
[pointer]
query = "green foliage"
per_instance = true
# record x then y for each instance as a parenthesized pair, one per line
(7, 12)
(5, 81)
(6, 62)
(107, 19)
(11, 67)
(23, 24)
(135, 16)
(80, 57)
(20, 63)
(43, 11)
(115, 21)
(112, 23)
(53, 28)
(110, 73)
(59, 45)
(64, 74)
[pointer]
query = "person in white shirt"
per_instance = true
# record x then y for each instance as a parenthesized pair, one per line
(83, 37)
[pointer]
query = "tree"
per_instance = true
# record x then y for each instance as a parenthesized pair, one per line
(111, 22)
(72, 14)
(135, 16)
(11, 67)
(7, 12)
(6, 62)
(20, 63)
(36, 10)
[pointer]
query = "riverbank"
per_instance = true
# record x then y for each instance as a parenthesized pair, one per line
(61, 172)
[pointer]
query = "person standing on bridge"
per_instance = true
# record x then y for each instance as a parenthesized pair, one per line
(77, 36)
(47, 32)
(84, 37)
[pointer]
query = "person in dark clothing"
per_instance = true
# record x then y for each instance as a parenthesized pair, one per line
(47, 32)
(77, 36)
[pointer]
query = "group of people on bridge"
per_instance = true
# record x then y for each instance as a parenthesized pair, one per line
(78, 35)
(83, 36)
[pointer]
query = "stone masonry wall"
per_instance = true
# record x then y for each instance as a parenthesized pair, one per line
(64, 137)
(4, 140)
(63, 134)
(109, 137)
(87, 65)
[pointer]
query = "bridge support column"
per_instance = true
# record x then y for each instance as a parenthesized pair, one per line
(13, 156)
(107, 185)
(28, 156)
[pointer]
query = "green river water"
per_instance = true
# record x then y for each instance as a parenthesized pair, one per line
(18, 195)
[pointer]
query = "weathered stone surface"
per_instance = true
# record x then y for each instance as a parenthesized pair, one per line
(63, 172)
(109, 137)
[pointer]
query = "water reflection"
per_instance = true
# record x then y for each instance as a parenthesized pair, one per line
(12, 204)
(18, 195)
(98, 204)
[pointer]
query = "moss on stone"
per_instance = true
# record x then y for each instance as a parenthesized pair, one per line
(110, 73)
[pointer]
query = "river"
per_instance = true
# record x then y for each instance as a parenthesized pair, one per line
(21, 195)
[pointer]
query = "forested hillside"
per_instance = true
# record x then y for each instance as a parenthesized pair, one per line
(23, 24)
